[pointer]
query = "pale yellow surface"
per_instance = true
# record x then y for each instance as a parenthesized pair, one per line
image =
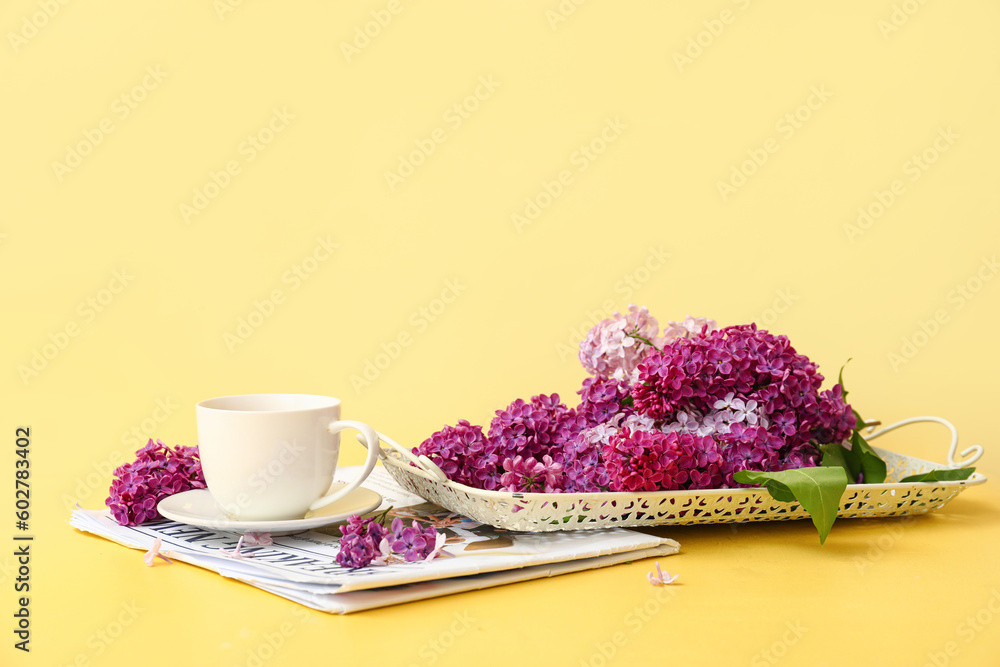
(784, 248)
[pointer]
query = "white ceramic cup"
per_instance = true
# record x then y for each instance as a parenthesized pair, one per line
(271, 457)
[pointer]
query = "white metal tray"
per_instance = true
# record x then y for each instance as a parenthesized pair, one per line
(542, 512)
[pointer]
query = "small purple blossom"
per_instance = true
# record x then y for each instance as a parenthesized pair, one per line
(359, 545)
(412, 542)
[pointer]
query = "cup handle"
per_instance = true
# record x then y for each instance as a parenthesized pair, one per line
(370, 441)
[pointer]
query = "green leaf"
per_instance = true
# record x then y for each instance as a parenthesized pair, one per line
(859, 421)
(872, 465)
(840, 378)
(948, 475)
(836, 455)
(818, 490)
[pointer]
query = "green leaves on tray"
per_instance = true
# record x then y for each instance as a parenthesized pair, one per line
(818, 490)
(949, 475)
(860, 462)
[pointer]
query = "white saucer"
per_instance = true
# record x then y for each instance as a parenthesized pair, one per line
(197, 507)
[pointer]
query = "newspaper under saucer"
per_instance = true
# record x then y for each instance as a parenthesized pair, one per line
(198, 508)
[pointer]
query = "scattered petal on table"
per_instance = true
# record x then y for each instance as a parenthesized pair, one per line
(661, 578)
(154, 553)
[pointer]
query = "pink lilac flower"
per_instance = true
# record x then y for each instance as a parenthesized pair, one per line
(258, 539)
(668, 461)
(646, 461)
(615, 346)
(438, 550)
(584, 470)
(530, 476)
(157, 472)
(385, 555)
(691, 326)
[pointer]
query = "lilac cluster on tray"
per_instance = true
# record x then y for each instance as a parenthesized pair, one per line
(683, 409)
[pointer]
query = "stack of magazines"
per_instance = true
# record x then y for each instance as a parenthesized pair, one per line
(302, 567)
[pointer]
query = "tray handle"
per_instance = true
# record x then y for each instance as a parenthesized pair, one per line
(424, 466)
(969, 455)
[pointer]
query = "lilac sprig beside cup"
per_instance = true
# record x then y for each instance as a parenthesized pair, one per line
(368, 542)
(157, 472)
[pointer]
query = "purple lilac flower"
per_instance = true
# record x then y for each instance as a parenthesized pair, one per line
(710, 403)
(157, 472)
(356, 551)
(464, 454)
(534, 429)
(412, 542)
(601, 399)
(803, 456)
(749, 448)
(359, 545)
(835, 419)
(747, 376)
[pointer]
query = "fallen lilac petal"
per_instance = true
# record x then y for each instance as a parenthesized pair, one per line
(236, 553)
(661, 578)
(154, 553)
(438, 547)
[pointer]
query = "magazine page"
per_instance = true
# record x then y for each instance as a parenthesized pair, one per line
(308, 558)
(346, 603)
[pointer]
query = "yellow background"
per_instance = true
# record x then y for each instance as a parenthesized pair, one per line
(784, 249)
